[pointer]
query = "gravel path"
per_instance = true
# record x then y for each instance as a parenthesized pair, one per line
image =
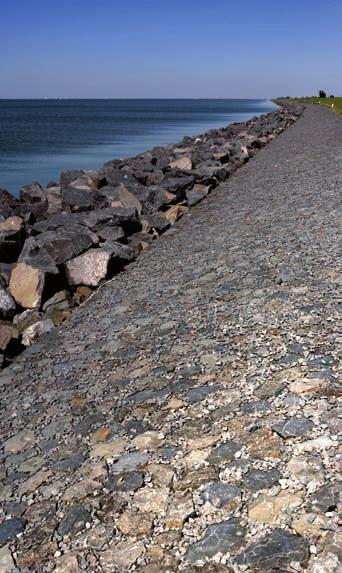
(187, 415)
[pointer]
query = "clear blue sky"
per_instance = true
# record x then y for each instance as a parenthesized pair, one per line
(169, 48)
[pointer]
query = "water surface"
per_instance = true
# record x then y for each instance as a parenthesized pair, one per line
(41, 138)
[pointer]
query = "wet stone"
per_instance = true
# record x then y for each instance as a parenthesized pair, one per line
(224, 453)
(256, 479)
(74, 520)
(221, 494)
(219, 538)
(275, 551)
(293, 427)
(130, 481)
(10, 528)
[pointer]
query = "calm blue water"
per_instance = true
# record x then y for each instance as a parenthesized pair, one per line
(41, 138)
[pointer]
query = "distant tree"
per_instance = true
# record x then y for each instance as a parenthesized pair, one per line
(322, 93)
(332, 95)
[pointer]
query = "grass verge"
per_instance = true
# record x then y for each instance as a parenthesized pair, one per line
(334, 103)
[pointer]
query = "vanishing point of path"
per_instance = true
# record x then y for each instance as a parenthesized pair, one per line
(187, 415)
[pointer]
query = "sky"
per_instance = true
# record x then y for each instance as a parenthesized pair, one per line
(163, 48)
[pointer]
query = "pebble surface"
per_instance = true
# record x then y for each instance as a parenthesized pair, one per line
(186, 417)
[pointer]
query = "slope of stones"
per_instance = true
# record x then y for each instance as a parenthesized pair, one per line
(186, 418)
(59, 243)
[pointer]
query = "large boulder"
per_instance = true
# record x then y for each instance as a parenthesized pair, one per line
(7, 203)
(33, 193)
(177, 183)
(69, 176)
(88, 269)
(120, 196)
(7, 303)
(34, 331)
(7, 333)
(181, 163)
(157, 198)
(54, 199)
(27, 284)
(11, 234)
(77, 200)
(127, 218)
(62, 244)
(197, 193)
(11, 228)
(95, 265)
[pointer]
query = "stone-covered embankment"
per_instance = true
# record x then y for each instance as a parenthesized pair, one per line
(59, 243)
(185, 419)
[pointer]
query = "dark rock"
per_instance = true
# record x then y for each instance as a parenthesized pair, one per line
(74, 520)
(78, 200)
(7, 304)
(200, 393)
(293, 427)
(277, 550)
(33, 193)
(109, 233)
(8, 203)
(325, 499)
(61, 245)
(8, 332)
(224, 453)
(69, 176)
(10, 528)
(88, 269)
(69, 464)
(156, 197)
(118, 251)
(219, 538)
(156, 222)
(130, 481)
(177, 184)
(220, 494)
(255, 406)
(196, 194)
(256, 480)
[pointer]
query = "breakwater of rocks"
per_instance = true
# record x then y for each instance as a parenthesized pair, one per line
(60, 242)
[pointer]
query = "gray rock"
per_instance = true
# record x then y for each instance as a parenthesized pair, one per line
(200, 393)
(33, 193)
(293, 427)
(34, 331)
(275, 551)
(74, 520)
(224, 453)
(10, 528)
(220, 494)
(69, 464)
(129, 481)
(88, 269)
(219, 538)
(78, 200)
(255, 406)
(62, 244)
(256, 480)
(69, 176)
(7, 303)
(325, 499)
(130, 461)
